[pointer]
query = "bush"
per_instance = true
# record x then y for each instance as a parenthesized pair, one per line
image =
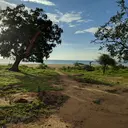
(68, 68)
(78, 64)
(42, 66)
(98, 68)
(64, 68)
(89, 68)
(91, 81)
(120, 66)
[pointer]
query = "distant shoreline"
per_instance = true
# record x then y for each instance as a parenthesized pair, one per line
(55, 62)
(5, 61)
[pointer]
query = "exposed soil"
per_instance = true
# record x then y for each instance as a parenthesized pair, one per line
(89, 106)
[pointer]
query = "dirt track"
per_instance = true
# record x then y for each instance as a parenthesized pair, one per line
(81, 112)
(89, 106)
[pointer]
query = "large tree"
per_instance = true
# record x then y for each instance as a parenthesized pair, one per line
(27, 35)
(113, 35)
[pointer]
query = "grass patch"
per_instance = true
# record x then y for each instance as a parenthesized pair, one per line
(21, 112)
(30, 78)
(40, 106)
(112, 77)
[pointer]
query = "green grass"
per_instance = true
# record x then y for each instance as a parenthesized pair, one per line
(29, 78)
(21, 112)
(112, 77)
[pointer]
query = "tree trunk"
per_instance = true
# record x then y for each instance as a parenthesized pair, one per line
(31, 45)
(16, 65)
(104, 69)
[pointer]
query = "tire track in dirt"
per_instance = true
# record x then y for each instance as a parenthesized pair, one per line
(81, 112)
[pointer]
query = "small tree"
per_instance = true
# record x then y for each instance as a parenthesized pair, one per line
(27, 35)
(106, 60)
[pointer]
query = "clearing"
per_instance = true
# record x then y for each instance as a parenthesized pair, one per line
(88, 106)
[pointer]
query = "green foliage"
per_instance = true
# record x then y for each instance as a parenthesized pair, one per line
(89, 68)
(78, 64)
(120, 66)
(111, 78)
(113, 35)
(28, 112)
(43, 66)
(29, 35)
(90, 80)
(106, 60)
(21, 112)
(30, 78)
(81, 66)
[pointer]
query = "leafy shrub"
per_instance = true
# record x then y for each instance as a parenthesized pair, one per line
(89, 68)
(68, 68)
(91, 81)
(63, 68)
(98, 68)
(42, 66)
(78, 64)
(120, 66)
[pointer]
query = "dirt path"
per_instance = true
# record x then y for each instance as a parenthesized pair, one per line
(89, 106)
(82, 111)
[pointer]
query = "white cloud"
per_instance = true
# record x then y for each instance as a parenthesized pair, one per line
(72, 25)
(4, 4)
(68, 18)
(54, 17)
(44, 2)
(90, 30)
(85, 21)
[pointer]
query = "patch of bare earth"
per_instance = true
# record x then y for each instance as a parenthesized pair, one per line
(81, 110)
(89, 106)
(4, 102)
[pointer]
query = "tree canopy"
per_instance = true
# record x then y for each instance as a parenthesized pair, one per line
(113, 35)
(27, 34)
(106, 60)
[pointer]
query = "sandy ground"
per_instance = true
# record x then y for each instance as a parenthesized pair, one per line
(50, 65)
(59, 65)
(82, 109)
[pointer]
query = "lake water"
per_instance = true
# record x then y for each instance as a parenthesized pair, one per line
(74, 61)
(7, 61)
(68, 61)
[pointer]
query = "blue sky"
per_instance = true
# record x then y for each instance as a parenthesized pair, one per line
(79, 20)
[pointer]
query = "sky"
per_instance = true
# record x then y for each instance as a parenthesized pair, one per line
(79, 20)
